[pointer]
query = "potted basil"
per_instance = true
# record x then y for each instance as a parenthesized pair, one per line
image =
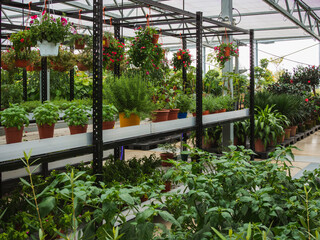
(77, 118)
(13, 120)
(183, 103)
(46, 115)
(108, 116)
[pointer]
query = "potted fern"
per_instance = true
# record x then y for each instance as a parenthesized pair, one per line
(131, 96)
(77, 118)
(108, 116)
(13, 119)
(46, 115)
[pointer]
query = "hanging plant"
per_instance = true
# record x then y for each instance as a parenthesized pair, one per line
(114, 53)
(25, 57)
(63, 62)
(85, 60)
(21, 40)
(8, 59)
(35, 64)
(181, 59)
(224, 53)
(143, 53)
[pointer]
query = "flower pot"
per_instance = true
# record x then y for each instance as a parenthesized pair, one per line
(167, 187)
(144, 198)
(184, 157)
(48, 48)
(22, 63)
(173, 114)
(105, 42)
(78, 129)
(45, 131)
(293, 131)
(133, 120)
(287, 133)
(160, 115)
(155, 38)
(13, 134)
(182, 115)
(259, 146)
(207, 144)
(227, 51)
(238, 142)
(108, 125)
(79, 44)
(82, 67)
(166, 156)
(280, 139)
(207, 112)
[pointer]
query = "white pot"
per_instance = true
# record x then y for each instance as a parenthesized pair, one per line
(48, 48)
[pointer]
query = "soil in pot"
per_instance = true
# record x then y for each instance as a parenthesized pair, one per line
(133, 120)
(287, 133)
(45, 131)
(173, 114)
(108, 125)
(293, 131)
(78, 129)
(259, 146)
(160, 115)
(13, 134)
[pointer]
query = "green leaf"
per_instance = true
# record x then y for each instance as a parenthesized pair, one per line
(218, 233)
(168, 217)
(46, 206)
(127, 198)
(25, 182)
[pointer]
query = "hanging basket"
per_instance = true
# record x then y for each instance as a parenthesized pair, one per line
(20, 63)
(48, 48)
(79, 44)
(82, 67)
(227, 51)
(5, 66)
(32, 68)
(155, 38)
(105, 42)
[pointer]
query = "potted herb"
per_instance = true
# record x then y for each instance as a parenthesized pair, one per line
(46, 115)
(181, 59)
(113, 54)
(160, 114)
(172, 106)
(77, 118)
(131, 96)
(8, 59)
(63, 62)
(183, 103)
(49, 32)
(108, 116)
(170, 150)
(13, 119)
(224, 52)
(85, 60)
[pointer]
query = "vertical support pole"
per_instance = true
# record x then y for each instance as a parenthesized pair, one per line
(71, 84)
(44, 79)
(251, 109)
(24, 82)
(256, 60)
(0, 59)
(199, 126)
(97, 88)
(118, 152)
(184, 70)
(236, 70)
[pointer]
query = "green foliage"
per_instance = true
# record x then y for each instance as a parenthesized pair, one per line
(169, 147)
(240, 84)
(76, 114)
(114, 54)
(64, 61)
(11, 93)
(21, 40)
(86, 58)
(48, 28)
(130, 95)
(289, 88)
(183, 102)
(8, 58)
(14, 116)
(309, 76)
(108, 112)
(263, 76)
(181, 59)
(47, 113)
(212, 84)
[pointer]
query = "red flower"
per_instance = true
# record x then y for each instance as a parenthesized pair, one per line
(34, 17)
(308, 81)
(307, 100)
(291, 81)
(22, 40)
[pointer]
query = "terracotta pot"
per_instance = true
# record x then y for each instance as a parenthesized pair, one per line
(133, 120)
(207, 112)
(82, 67)
(173, 114)
(155, 38)
(160, 115)
(22, 63)
(259, 146)
(206, 145)
(78, 129)
(45, 131)
(108, 125)
(13, 134)
(166, 156)
(223, 110)
(293, 131)
(227, 51)
(167, 186)
(79, 44)
(280, 139)
(287, 133)
(105, 42)
(237, 142)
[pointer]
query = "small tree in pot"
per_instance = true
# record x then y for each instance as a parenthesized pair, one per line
(46, 115)
(108, 116)
(77, 118)
(13, 119)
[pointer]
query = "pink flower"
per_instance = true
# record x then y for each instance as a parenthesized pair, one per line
(31, 22)
(307, 100)
(291, 81)
(147, 72)
(44, 12)
(34, 17)
(143, 47)
(308, 81)
(64, 21)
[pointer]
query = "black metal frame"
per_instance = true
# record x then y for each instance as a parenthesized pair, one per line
(252, 92)
(24, 83)
(44, 79)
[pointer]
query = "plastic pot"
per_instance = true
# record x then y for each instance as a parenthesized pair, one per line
(160, 115)
(78, 129)
(182, 115)
(48, 48)
(133, 120)
(45, 131)
(13, 134)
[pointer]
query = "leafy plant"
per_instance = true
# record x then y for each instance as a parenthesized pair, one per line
(181, 59)
(108, 112)
(86, 58)
(114, 53)
(21, 40)
(224, 52)
(64, 61)
(14, 116)
(8, 58)
(183, 102)
(47, 113)
(169, 147)
(77, 114)
(11, 94)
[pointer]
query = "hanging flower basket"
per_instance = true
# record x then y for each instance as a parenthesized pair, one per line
(33, 68)
(48, 48)
(155, 38)
(224, 52)
(79, 43)
(82, 67)
(105, 42)
(5, 66)
(181, 59)
(22, 63)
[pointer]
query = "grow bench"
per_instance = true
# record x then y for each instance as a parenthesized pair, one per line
(288, 142)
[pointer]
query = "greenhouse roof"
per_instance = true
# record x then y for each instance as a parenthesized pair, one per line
(271, 20)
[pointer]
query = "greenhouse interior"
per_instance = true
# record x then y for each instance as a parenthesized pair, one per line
(160, 119)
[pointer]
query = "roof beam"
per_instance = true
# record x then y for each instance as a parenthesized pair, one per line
(312, 17)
